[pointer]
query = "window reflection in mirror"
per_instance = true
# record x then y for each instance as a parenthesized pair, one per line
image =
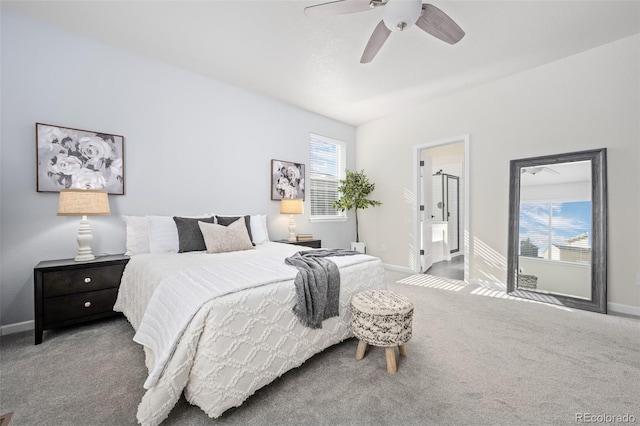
(555, 245)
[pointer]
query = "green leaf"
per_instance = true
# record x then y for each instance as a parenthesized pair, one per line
(354, 190)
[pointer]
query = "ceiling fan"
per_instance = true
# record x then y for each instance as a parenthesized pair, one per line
(398, 15)
(536, 170)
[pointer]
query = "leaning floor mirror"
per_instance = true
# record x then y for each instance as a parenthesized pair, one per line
(558, 229)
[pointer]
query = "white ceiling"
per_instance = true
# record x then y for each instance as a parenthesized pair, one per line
(271, 47)
(572, 172)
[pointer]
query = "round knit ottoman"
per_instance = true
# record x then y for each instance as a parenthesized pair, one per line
(382, 318)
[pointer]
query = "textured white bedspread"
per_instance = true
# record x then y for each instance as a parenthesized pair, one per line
(181, 294)
(241, 341)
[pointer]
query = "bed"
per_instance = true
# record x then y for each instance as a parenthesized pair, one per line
(238, 342)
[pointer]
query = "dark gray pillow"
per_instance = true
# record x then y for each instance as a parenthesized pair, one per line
(189, 235)
(228, 220)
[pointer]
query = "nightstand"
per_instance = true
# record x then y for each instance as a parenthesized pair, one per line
(67, 292)
(308, 243)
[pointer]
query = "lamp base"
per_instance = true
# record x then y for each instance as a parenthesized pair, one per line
(84, 239)
(84, 257)
(292, 229)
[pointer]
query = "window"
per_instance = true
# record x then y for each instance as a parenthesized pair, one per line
(557, 231)
(327, 167)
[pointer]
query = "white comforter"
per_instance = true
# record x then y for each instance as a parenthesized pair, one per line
(239, 342)
(181, 295)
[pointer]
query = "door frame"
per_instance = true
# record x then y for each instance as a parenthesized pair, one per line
(417, 190)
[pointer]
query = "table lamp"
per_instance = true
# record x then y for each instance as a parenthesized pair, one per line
(291, 206)
(83, 202)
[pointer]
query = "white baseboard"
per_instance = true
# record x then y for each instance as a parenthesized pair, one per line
(17, 327)
(623, 309)
(399, 268)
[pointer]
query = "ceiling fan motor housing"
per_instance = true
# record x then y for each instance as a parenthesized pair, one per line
(399, 15)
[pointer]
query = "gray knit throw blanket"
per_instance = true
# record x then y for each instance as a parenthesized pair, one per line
(317, 285)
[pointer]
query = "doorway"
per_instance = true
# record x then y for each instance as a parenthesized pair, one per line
(442, 208)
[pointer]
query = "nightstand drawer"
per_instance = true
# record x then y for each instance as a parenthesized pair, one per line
(304, 243)
(308, 243)
(61, 283)
(79, 305)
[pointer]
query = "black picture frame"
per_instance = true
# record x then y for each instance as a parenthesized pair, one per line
(67, 157)
(287, 180)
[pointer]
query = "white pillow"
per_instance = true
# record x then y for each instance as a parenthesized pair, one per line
(137, 234)
(163, 235)
(223, 239)
(259, 230)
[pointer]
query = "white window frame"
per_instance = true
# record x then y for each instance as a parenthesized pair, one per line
(342, 165)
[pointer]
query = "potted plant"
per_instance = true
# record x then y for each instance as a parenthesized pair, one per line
(354, 190)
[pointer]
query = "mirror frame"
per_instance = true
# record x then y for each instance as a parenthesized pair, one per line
(598, 159)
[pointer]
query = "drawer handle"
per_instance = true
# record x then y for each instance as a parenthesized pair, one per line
(87, 304)
(87, 280)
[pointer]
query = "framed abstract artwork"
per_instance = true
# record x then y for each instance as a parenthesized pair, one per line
(75, 158)
(287, 180)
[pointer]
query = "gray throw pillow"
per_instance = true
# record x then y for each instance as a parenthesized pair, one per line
(228, 220)
(189, 234)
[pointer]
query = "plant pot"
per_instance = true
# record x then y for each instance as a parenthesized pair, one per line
(360, 247)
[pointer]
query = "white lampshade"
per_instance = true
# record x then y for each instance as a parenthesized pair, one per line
(83, 202)
(291, 206)
(398, 15)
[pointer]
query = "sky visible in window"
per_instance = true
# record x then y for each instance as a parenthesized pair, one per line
(569, 219)
(324, 158)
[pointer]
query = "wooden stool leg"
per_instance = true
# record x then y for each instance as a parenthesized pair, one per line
(403, 350)
(391, 360)
(362, 346)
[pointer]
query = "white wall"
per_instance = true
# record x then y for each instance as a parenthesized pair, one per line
(192, 145)
(564, 278)
(563, 192)
(586, 101)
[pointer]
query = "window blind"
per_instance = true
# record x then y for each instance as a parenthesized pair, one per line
(327, 167)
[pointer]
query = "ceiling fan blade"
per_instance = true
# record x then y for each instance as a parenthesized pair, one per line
(340, 7)
(377, 39)
(439, 24)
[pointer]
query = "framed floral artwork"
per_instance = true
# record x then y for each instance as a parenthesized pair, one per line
(75, 158)
(287, 180)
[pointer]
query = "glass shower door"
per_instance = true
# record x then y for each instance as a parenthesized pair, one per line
(453, 212)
